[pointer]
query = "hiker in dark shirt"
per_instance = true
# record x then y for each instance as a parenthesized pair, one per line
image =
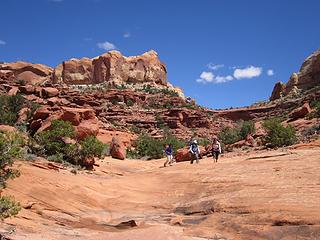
(216, 149)
(169, 154)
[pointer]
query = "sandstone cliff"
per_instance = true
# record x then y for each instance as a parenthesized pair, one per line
(111, 68)
(308, 77)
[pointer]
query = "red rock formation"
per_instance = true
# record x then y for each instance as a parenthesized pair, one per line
(277, 91)
(300, 112)
(28, 72)
(117, 149)
(308, 77)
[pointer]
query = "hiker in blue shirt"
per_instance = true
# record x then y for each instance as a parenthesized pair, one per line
(169, 154)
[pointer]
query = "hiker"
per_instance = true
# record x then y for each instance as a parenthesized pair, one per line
(195, 151)
(216, 149)
(169, 154)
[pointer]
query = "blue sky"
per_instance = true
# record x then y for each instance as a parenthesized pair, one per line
(223, 53)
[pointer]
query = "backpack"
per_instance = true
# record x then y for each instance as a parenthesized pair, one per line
(194, 147)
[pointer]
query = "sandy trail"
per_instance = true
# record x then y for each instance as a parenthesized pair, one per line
(265, 195)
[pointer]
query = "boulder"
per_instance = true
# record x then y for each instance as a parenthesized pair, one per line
(49, 92)
(42, 113)
(87, 128)
(183, 155)
(300, 112)
(27, 89)
(88, 163)
(71, 116)
(117, 149)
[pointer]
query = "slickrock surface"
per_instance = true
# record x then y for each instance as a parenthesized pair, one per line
(262, 195)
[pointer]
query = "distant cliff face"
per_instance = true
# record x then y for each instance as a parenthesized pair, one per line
(308, 77)
(111, 67)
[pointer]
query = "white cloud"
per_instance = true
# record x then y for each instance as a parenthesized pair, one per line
(127, 35)
(223, 79)
(106, 46)
(270, 72)
(209, 77)
(2, 42)
(248, 72)
(214, 66)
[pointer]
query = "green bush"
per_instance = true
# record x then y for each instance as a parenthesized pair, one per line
(11, 145)
(278, 135)
(246, 128)
(229, 135)
(8, 207)
(10, 107)
(53, 142)
(204, 142)
(147, 146)
(92, 147)
(130, 103)
(53, 139)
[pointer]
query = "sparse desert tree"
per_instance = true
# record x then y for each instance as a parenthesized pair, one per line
(278, 135)
(11, 145)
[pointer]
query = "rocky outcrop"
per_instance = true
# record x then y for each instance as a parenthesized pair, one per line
(74, 71)
(28, 72)
(83, 119)
(300, 112)
(277, 91)
(307, 78)
(117, 149)
(114, 68)
(111, 68)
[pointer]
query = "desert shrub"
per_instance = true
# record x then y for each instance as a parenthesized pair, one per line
(53, 142)
(204, 142)
(169, 138)
(53, 139)
(135, 129)
(229, 135)
(92, 147)
(315, 129)
(147, 146)
(153, 90)
(8, 207)
(277, 134)
(11, 105)
(11, 147)
(130, 103)
(246, 128)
